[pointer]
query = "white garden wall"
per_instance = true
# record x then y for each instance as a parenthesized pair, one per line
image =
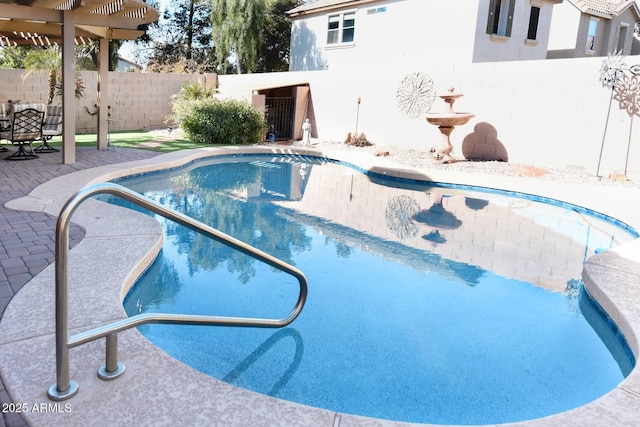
(547, 112)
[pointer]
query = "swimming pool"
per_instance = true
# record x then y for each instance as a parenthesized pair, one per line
(443, 248)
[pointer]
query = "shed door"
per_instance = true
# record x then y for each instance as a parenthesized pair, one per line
(279, 113)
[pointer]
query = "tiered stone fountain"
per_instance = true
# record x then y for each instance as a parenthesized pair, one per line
(446, 122)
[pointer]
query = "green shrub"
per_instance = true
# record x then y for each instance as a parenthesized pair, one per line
(193, 91)
(214, 121)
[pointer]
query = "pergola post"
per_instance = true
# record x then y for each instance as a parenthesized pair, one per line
(38, 23)
(68, 88)
(103, 93)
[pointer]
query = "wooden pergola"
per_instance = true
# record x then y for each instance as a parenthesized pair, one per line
(67, 23)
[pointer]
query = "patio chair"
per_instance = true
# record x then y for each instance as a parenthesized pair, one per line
(52, 126)
(26, 127)
(5, 120)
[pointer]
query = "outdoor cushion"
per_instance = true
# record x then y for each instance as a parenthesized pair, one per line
(35, 105)
(52, 121)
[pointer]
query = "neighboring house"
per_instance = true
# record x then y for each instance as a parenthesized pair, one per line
(126, 65)
(594, 28)
(338, 33)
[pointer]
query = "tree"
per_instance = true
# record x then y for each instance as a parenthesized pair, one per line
(181, 40)
(274, 54)
(238, 27)
(49, 60)
(13, 56)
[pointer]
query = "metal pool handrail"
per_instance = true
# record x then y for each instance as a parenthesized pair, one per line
(64, 388)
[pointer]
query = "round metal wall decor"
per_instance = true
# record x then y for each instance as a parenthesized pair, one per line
(416, 94)
(399, 213)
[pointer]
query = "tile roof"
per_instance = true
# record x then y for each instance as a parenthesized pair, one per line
(607, 8)
(321, 4)
(604, 7)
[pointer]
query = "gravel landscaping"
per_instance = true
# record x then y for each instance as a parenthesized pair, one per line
(422, 158)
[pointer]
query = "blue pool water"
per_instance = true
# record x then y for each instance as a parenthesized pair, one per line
(426, 304)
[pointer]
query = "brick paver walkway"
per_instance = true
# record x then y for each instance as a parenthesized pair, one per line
(27, 238)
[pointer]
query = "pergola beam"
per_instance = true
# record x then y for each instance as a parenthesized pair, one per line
(28, 13)
(63, 22)
(39, 14)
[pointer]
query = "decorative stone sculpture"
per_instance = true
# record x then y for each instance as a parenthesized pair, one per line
(306, 132)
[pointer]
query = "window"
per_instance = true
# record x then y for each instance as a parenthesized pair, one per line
(500, 17)
(341, 28)
(532, 34)
(591, 34)
(377, 10)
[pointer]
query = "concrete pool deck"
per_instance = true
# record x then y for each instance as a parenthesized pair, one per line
(156, 389)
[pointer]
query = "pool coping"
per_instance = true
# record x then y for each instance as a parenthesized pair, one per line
(27, 349)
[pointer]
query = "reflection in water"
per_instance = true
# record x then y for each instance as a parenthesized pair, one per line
(384, 279)
(263, 201)
(437, 216)
(262, 349)
(435, 237)
(475, 204)
(607, 331)
(573, 292)
(399, 214)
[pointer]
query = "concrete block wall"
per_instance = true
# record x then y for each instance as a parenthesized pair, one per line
(546, 112)
(137, 100)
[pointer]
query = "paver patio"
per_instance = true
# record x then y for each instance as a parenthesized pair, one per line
(27, 238)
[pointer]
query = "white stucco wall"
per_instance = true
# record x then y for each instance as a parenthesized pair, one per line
(450, 31)
(440, 30)
(564, 27)
(627, 17)
(569, 30)
(515, 47)
(542, 112)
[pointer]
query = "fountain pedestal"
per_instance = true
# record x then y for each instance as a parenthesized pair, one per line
(446, 122)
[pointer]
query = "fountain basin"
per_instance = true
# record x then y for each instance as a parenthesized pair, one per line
(449, 119)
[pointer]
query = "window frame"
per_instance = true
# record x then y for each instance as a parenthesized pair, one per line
(494, 21)
(534, 22)
(341, 28)
(590, 46)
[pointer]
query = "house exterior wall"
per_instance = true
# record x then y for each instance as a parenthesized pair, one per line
(398, 31)
(627, 17)
(137, 100)
(549, 113)
(583, 33)
(452, 31)
(569, 32)
(490, 47)
(563, 30)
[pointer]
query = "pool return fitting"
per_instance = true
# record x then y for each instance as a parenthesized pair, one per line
(64, 388)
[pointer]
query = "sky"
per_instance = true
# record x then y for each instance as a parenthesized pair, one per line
(127, 49)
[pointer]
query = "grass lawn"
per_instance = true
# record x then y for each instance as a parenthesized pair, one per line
(131, 139)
